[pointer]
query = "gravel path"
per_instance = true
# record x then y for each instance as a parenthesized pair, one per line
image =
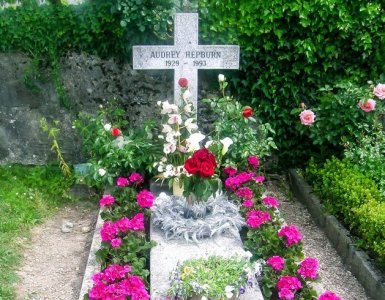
(334, 274)
(54, 261)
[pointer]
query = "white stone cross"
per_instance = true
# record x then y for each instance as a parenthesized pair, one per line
(186, 56)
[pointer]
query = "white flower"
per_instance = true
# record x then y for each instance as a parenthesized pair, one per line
(159, 103)
(166, 128)
(204, 298)
(226, 142)
(169, 148)
(168, 108)
(188, 108)
(190, 126)
(174, 119)
(102, 172)
(160, 168)
(163, 159)
(186, 95)
(221, 78)
(208, 143)
(170, 138)
(107, 127)
(229, 291)
(194, 140)
(161, 137)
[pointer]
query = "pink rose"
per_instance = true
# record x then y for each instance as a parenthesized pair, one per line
(368, 105)
(307, 117)
(379, 91)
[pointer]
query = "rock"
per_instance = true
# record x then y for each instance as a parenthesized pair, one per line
(67, 227)
(86, 229)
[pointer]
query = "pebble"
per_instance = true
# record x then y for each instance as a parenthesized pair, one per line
(86, 229)
(66, 227)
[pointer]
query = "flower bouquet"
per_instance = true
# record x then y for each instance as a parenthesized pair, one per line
(180, 136)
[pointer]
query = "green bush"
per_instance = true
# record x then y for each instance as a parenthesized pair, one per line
(291, 48)
(368, 156)
(342, 188)
(371, 226)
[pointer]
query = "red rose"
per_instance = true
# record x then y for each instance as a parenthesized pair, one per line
(115, 131)
(191, 166)
(204, 155)
(247, 112)
(183, 82)
(206, 169)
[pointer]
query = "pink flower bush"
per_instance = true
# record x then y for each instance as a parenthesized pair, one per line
(110, 230)
(230, 171)
(245, 193)
(116, 243)
(379, 91)
(367, 106)
(235, 182)
(248, 203)
(122, 182)
(116, 282)
(253, 161)
(276, 262)
(309, 268)
(329, 296)
(287, 286)
(270, 202)
(145, 199)
(259, 179)
(255, 218)
(291, 234)
(307, 117)
(136, 178)
(107, 200)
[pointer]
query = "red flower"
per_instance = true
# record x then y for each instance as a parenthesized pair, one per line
(115, 131)
(191, 166)
(183, 82)
(203, 155)
(206, 169)
(247, 112)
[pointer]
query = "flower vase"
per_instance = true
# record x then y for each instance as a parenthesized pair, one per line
(177, 190)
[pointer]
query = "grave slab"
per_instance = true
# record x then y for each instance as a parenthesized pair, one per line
(167, 253)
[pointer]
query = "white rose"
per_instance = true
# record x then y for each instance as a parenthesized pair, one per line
(226, 142)
(186, 95)
(102, 172)
(107, 127)
(221, 78)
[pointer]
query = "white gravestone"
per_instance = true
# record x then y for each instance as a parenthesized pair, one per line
(186, 56)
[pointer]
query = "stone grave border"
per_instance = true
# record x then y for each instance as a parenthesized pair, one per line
(357, 260)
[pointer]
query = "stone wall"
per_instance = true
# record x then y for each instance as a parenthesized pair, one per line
(89, 82)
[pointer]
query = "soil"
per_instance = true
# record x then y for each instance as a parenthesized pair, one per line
(53, 262)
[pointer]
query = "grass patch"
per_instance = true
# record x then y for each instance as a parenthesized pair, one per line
(28, 194)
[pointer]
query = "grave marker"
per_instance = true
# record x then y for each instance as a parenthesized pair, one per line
(186, 56)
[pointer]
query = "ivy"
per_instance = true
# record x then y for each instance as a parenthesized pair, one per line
(291, 48)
